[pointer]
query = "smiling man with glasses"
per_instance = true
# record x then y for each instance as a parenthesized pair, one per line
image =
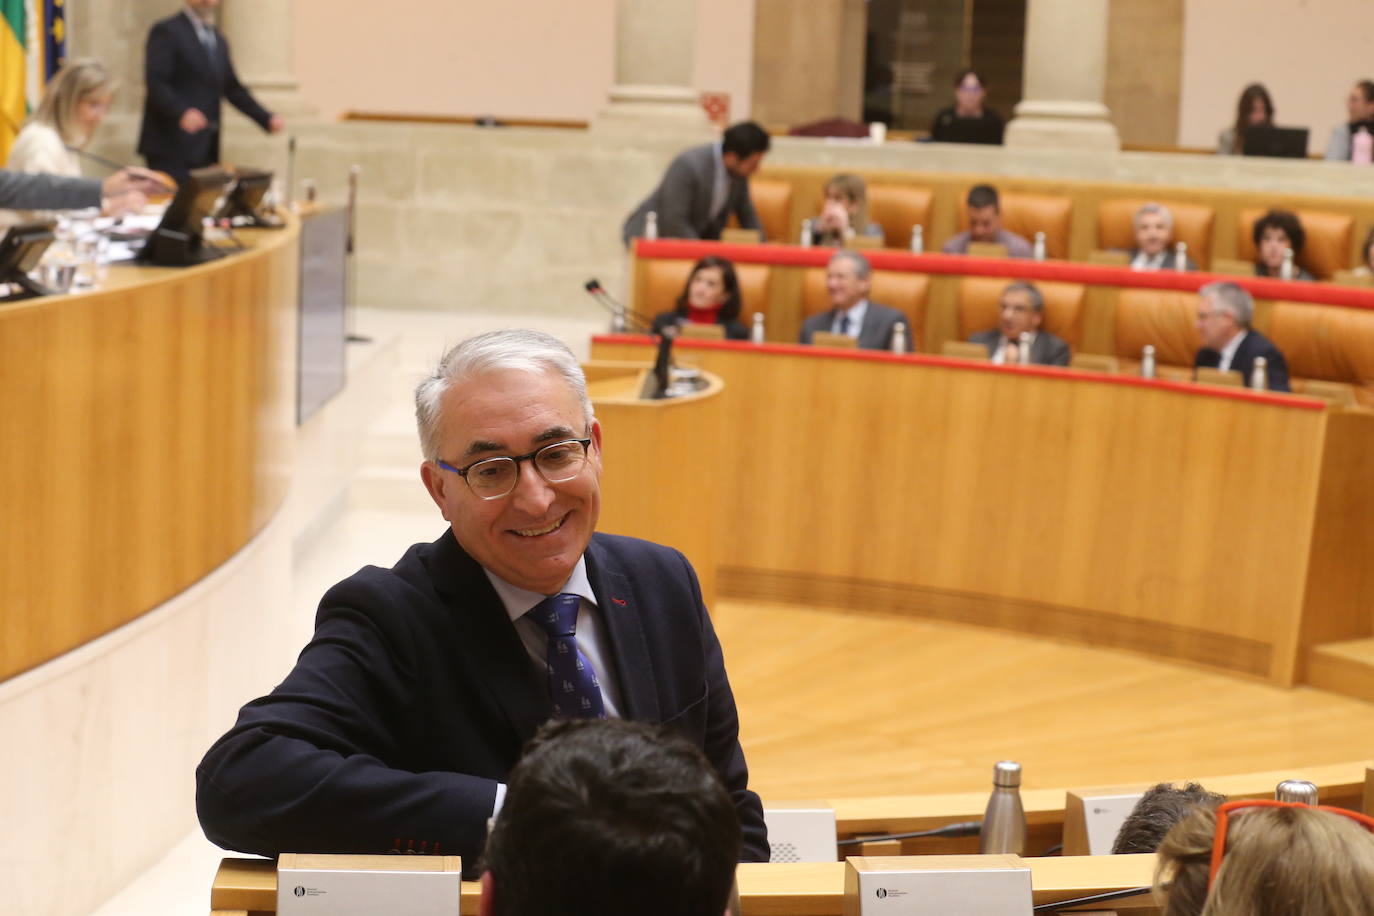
(403, 716)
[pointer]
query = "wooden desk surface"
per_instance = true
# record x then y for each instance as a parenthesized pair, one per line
(144, 420)
(1217, 526)
(801, 889)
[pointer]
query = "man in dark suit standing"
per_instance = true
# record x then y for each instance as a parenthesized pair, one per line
(188, 70)
(1022, 312)
(848, 279)
(703, 186)
(404, 715)
(1229, 343)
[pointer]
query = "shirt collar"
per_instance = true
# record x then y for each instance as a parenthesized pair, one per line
(1228, 352)
(519, 601)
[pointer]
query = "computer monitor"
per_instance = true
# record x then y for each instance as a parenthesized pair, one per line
(21, 248)
(178, 240)
(243, 206)
(973, 130)
(1282, 142)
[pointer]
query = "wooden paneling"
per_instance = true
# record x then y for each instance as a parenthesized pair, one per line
(1145, 69)
(808, 66)
(1084, 508)
(143, 429)
(997, 50)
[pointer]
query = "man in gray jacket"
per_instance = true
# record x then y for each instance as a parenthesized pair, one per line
(703, 186)
(123, 191)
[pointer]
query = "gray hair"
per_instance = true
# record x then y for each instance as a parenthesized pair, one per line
(1232, 298)
(1037, 298)
(517, 348)
(1152, 207)
(861, 266)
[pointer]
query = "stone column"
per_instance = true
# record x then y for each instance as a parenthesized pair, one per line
(261, 35)
(1065, 75)
(654, 44)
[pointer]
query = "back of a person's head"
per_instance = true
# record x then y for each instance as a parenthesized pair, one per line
(745, 139)
(1159, 809)
(612, 818)
(1279, 862)
(982, 195)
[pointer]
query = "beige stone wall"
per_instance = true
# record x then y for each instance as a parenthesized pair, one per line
(1307, 54)
(1144, 68)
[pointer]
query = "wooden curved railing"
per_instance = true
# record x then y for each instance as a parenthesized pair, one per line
(146, 437)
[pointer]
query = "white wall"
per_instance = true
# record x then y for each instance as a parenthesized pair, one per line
(1306, 52)
(531, 59)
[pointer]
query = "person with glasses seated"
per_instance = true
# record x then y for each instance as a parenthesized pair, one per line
(1022, 310)
(1267, 858)
(404, 715)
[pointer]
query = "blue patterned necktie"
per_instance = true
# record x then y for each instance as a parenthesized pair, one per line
(573, 686)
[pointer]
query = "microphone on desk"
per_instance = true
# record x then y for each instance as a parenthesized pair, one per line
(619, 313)
(957, 829)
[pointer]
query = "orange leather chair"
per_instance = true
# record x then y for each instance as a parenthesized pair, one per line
(1165, 319)
(980, 306)
(1192, 224)
(1326, 342)
(1330, 237)
(664, 281)
(1027, 214)
(899, 289)
(773, 203)
(898, 207)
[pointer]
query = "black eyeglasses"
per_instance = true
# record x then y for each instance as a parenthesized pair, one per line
(493, 478)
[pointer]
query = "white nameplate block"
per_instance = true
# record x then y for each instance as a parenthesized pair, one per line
(800, 831)
(320, 885)
(1093, 818)
(937, 886)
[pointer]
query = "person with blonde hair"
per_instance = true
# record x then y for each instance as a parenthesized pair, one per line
(76, 101)
(844, 213)
(1267, 858)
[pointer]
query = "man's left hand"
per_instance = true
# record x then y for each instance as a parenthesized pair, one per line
(276, 124)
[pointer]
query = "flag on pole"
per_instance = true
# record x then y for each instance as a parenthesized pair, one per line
(14, 36)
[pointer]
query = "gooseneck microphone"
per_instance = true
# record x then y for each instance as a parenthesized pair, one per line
(619, 312)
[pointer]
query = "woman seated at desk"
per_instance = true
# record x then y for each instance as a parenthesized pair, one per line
(711, 296)
(844, 213)
(75, 102)
(1254, 109)
(1276, 233)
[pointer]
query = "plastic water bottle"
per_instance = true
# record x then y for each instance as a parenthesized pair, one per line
(1039, 251)
(1362, 147)
(1023, 351)
(1259, 374)
(899, 338)
(756, 333)
(1004, 822)
(918, 242)
(618, 320)
(807, 234)
(1296, 790)
(1181, 256)
(1147, 361)
(1286, 270)
(651, 225)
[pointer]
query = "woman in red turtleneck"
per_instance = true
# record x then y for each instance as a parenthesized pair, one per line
(711, 296)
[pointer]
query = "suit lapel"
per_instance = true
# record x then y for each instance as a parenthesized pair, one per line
(488, 637)
(619, 605)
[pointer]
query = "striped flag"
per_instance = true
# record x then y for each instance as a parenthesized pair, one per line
(14, 34)
(33, 46)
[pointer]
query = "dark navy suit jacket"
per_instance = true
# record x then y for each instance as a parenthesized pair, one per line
(181, 75)
(416, 695)
(1252, 345)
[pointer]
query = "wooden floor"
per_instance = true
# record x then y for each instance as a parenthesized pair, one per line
(837, 704)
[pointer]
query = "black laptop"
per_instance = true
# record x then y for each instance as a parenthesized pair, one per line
(1281, 142)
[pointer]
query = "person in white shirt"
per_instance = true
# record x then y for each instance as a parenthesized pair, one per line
(1229, 343)
(76, 101)
(1154, 236)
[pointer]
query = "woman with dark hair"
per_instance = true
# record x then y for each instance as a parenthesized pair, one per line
(710, 296)
(968, 108)
(1275, 233)
(1254, 109)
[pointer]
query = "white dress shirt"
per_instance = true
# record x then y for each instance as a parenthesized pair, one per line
(1228, 352)
(1143, 261)
(999, 356)
(593, 641)
(851, 320)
